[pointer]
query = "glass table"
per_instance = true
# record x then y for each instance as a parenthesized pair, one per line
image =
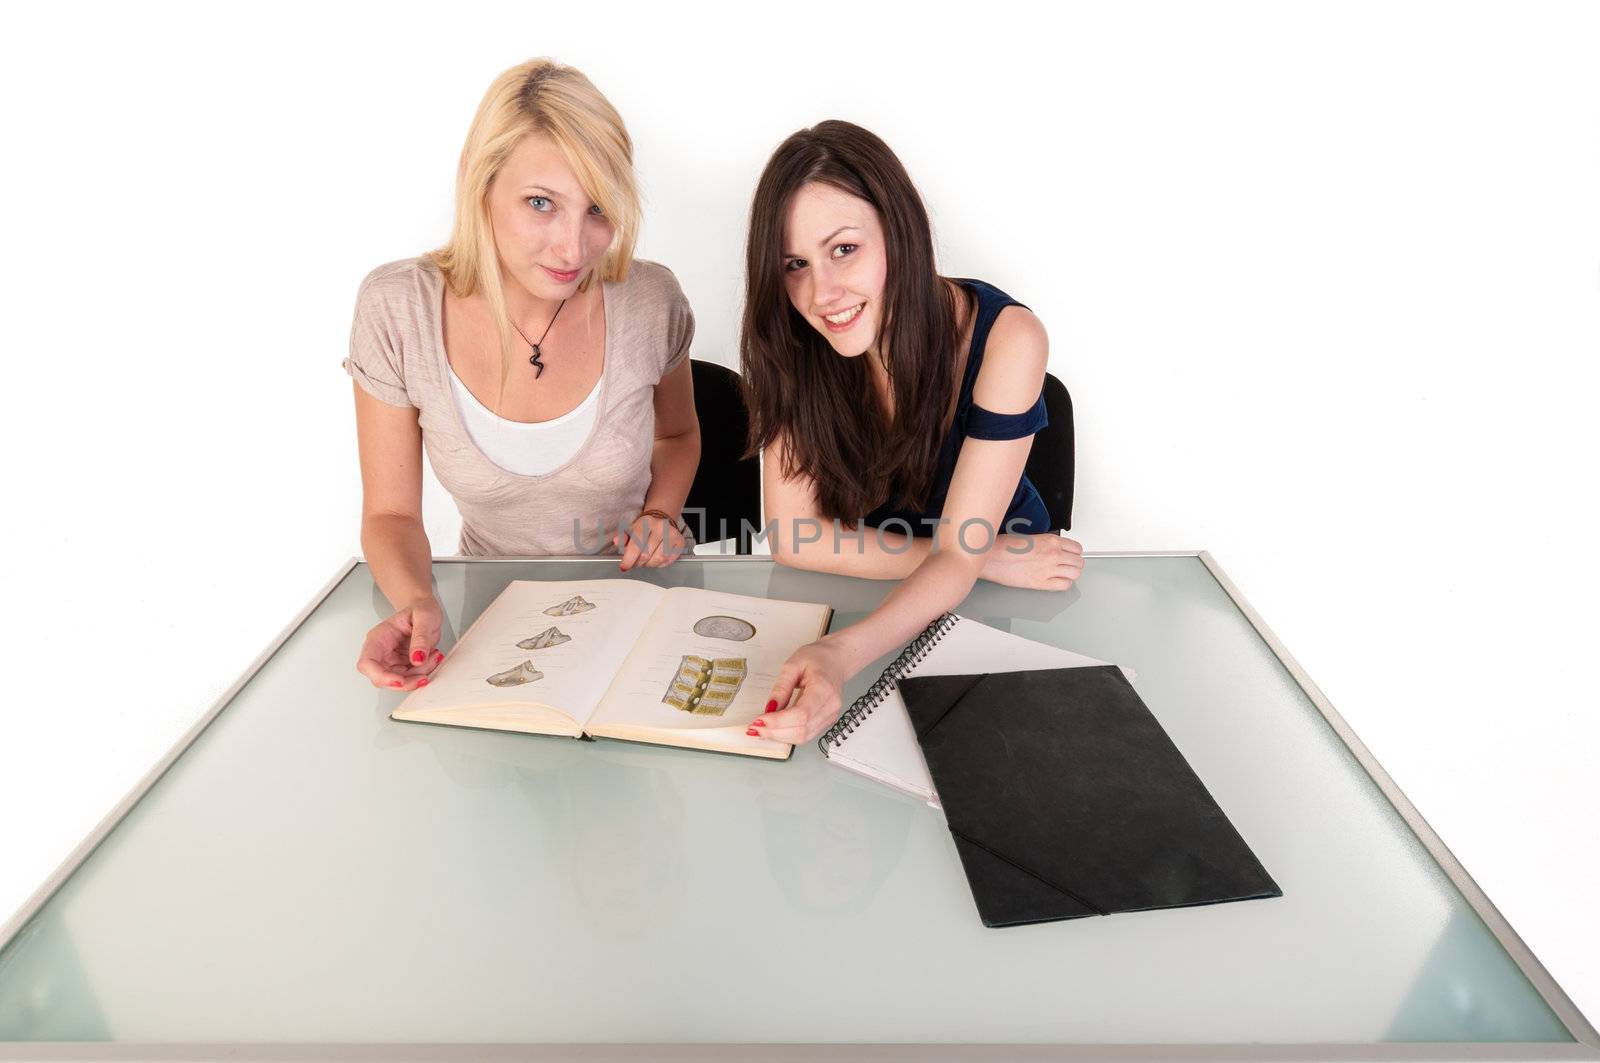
(304, 878)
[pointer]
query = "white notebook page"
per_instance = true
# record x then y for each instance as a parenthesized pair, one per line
(884, 745)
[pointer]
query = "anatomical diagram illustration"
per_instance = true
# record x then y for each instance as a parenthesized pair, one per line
(544, 640)
(725, 627)
(515, 677)
(575, 604)
(706, 686)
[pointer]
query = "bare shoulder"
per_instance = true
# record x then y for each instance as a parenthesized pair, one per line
(1014, 362)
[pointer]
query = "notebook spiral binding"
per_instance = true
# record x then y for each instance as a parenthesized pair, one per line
(909, 658)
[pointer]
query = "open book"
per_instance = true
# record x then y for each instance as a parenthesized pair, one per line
(620, 658)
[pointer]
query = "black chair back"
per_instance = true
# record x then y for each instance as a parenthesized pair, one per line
(725, 499)
(1050, 462)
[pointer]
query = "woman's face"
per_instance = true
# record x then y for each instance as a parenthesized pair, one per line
(834, 265)
(547, 231)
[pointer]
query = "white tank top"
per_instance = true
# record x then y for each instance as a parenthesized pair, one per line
(518, 446)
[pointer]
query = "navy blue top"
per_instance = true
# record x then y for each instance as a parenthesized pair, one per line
(1026, 514)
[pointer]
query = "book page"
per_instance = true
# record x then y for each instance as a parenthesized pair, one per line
(708, 660)
(551, 643)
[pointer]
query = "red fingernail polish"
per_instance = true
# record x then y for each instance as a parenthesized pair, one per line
(397, 683)
(772, 706)
(422, 682)
(417, 656)
(759, 723)
(438, 655)
(753, 733)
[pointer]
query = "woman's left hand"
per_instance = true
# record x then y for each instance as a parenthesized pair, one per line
(650, 542)
(816, 674)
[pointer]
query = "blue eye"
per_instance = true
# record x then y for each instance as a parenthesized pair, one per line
(539, 203)
(596, 211)
(794, 264)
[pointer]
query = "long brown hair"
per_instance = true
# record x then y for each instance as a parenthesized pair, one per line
(796, 386)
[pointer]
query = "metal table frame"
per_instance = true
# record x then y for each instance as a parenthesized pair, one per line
(1585, 1046)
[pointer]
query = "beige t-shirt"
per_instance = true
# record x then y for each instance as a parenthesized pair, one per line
(397, 354)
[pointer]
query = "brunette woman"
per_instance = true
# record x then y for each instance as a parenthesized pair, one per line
(892, 404)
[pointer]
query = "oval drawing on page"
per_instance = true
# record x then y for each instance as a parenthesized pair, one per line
(725, 627)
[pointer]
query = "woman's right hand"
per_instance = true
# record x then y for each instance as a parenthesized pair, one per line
(401, 651)
(1046, 562)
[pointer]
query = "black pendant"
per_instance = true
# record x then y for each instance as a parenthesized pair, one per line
(533, 360)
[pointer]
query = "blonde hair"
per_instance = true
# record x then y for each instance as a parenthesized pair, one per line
(539, 96)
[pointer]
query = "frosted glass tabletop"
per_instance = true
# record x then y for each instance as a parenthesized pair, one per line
(309, 871)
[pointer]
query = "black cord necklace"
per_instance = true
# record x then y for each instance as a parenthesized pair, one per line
(533, 359)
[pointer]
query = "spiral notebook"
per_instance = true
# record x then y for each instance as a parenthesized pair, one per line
(874, 736)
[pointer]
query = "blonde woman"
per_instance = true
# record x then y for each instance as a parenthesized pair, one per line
(542, 368)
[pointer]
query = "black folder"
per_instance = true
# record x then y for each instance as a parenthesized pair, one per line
(1067, 799)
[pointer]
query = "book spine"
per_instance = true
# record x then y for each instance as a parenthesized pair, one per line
(909, 658)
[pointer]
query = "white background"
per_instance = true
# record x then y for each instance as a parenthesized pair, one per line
(1322, 279)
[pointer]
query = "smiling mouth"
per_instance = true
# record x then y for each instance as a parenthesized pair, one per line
(844, 318)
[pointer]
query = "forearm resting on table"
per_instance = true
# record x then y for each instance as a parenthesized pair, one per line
(866, 553)
(397, 552)
(937, 586)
